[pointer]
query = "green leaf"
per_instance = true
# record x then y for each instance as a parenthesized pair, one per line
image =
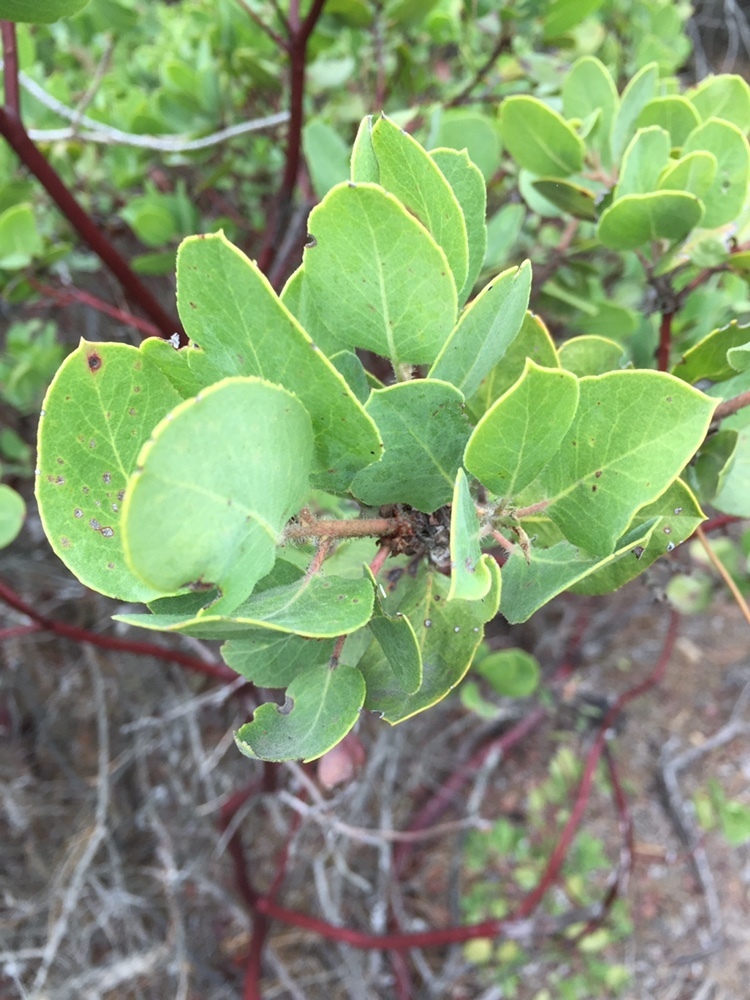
(562, 15)
(39, 11)
(677, 514)
(512, 673)
(296, 299)
(639, 91)
(539, 139)
(100, 408)
(377, 278)
(485, 329)
(448, 632)
(232, 313)
(468, 186)
(643, 162)
(321, 707)
(408, 172)
(20, 240)
(511, 444)
(316, 607)
(273, 659)
(212, 467)
(726, 96)
(588, 88)
(708, 470)
(503, 229)
(739, 357)
(424, 430)
(529, 586)
(349, 365)
(12, 514)
(475, 133)
(174, 365)
(633, 432)
(327, 156)
(693, 173)
(733, 496)
(364, 162)
(571, 198)
(151, 219)
(636, 219)
(396, 637)
(726, 198)
(591, 355)
(471, 575)
(673, 113)
(709, 357)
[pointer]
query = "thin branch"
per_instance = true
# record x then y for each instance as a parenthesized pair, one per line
(10, 66)
(258, 20)
(96, 131)
(724, 574)
(501, 44)
(730, 406)
(366, 527)
(665, 341)
(218, 671)
(68, 296)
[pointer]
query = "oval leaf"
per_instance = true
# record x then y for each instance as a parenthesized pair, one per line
(12, 514)
(539, 139)
(726, 197)
(210, 497)
(39, 11)
(636, 219)
(471, 576)
(321, 707)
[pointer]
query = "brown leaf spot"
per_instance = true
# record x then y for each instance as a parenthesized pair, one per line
(94, 361)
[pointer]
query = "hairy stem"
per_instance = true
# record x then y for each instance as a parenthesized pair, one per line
(366, 527)
(730, 406)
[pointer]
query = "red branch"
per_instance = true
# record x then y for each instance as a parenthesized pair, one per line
(12, 129)
(70, 295)
(216, 670)
(665, 341)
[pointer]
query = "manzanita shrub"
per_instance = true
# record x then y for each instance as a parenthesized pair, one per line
(236, 486)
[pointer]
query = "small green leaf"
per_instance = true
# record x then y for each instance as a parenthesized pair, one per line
(471, 576)
(636, 219)
(377, 278)
(396, 637)
(212, 469)
(639, 91)
(734, 493)
(468, 186)
(571, 198)
(726, 198)
(693, 173)
(677, 514)
(503, 229)
(100, 408)
(424, 430)
(562, 15)
(273, 659)
(512, 673)
(230, 310)
(539, 139)
(513, 442)
(364, 162)
(485, 329)
(475, 133)
(631, 436)
(643, 162)
(709, 357)
(408, 172)
(315, 607)
(708, 470)
(321, 707)
(533, 341)
(327, 155)
(20, 240)
(588, 88)
(673, 113)
(726, 96)
(449, 634)
(174, 365)
(349, 365)
(739, 357)
(12, 514)
(591, 355)
(39, 11)
(529, 586)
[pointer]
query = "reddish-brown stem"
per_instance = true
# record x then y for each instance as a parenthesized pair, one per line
(535, 508)
(461, 97)
(299, 36)
(379, 559)
(12, 129)
(68, 296)
(215, 670)
(17, 630)
(720, 521)
(10, 67)
(665, 341)
(730, 406)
